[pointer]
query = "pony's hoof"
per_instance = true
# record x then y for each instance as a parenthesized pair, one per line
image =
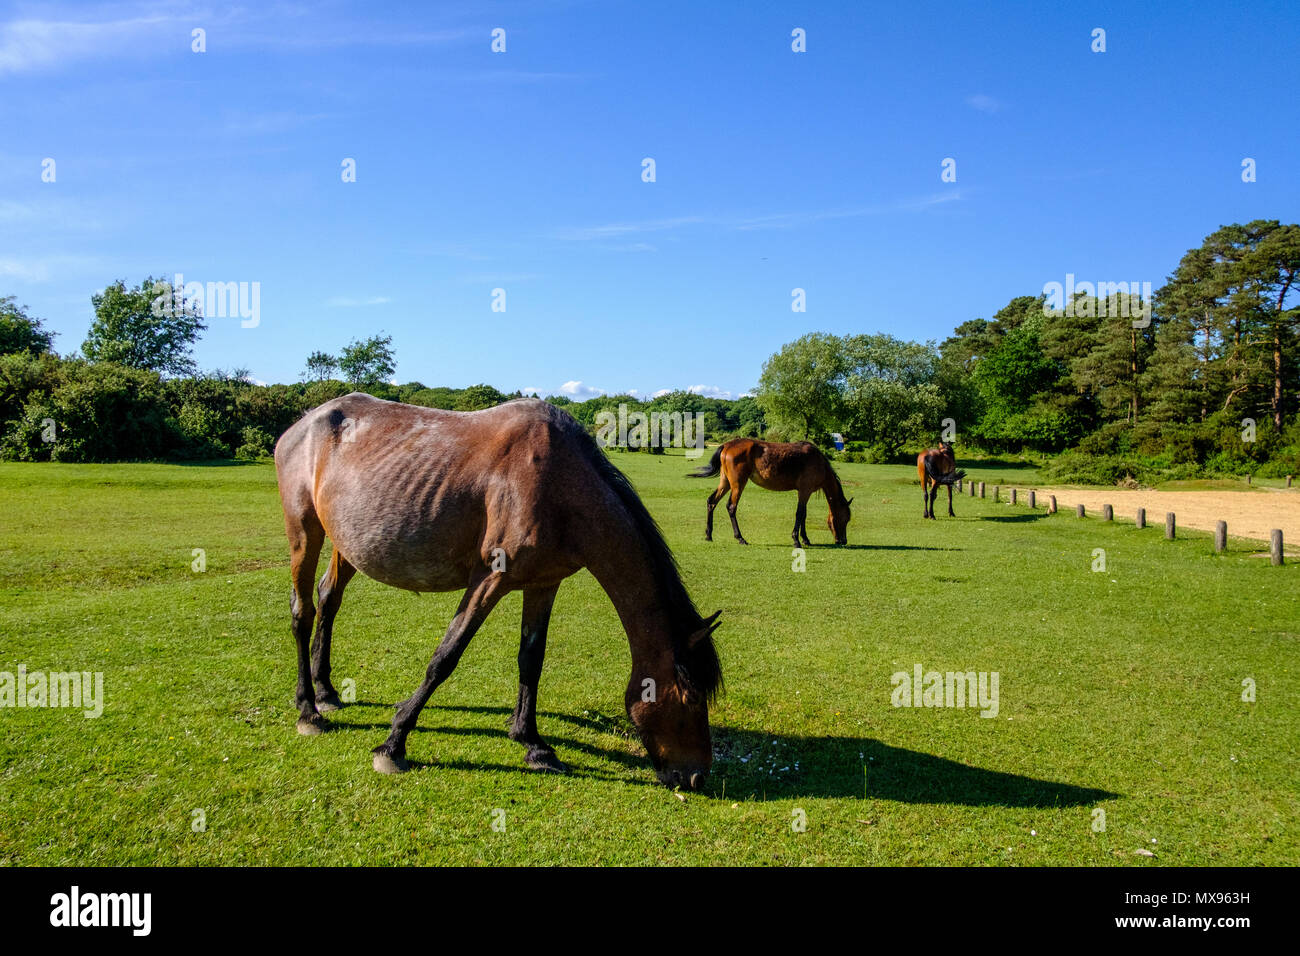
(311, 726)
(741, 541)
(385, 763)
(545, 761)
(328, 703)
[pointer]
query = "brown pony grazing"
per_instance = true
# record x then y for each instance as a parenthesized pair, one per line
(937, 467)
(777, 466)
(513, 498)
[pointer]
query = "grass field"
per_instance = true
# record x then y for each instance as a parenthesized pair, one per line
(1119, 690)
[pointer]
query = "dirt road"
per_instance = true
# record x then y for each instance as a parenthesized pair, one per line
(1250, 514)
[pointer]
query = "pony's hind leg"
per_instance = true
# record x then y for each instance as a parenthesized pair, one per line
(532, 650)
(305, 539)
(732, 502)
(330, 594)
(714, 497)
(485, 589)
(950, 514)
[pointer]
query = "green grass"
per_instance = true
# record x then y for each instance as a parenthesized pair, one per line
(1119, 690)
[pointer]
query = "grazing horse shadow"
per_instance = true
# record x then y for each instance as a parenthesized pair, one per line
(832, 767)
(1027, 516)
(829, 767)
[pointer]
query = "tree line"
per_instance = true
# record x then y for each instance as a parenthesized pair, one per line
(1202, 378)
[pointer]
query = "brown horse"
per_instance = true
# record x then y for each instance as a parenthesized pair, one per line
(513, 498)
(936, 467)
(777, 466)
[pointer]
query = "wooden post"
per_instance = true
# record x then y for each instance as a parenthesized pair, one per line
(1013, 496)
(1051, 504)
(997, 492)
(971, 488)
(1142, 518)
(1288, 481)
(981, 489)
(1220, 537)
(1078, 511)
(1248, 477)
(1032, 499)
(1107, 513)
(1169, 525)
(1275, 546)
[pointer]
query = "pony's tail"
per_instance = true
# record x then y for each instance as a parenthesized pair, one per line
(951, 478)
(714, 466)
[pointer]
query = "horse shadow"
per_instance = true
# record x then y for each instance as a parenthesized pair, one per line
(1027, 516)
(816, 546)
(753, 765)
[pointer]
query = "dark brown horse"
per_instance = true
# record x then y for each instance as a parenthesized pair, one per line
(776, 466)
(513, 498)
(937, 467)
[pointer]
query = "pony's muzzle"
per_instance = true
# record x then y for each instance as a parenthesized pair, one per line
(690, 779)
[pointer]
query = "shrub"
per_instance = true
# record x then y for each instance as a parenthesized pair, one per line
(256, 443)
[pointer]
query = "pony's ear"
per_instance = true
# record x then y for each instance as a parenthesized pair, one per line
(711, 624)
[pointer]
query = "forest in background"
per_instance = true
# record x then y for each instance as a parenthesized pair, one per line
(1103, 385)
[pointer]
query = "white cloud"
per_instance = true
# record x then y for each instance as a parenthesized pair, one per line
(984, 103)
(490, 277)
(27, 45)
(344, 302)
(615, 229)
(33, 44)
(580, 391)
(709, 391)
(45, 268)
(777, 220)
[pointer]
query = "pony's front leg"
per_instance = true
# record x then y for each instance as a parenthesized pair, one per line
(950, 514)
(532, 651)
(486, 588)
(800, 519)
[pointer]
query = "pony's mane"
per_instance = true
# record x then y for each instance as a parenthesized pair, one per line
(698, 667)
(835, 482)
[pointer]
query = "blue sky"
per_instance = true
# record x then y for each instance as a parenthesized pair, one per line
(522, 170)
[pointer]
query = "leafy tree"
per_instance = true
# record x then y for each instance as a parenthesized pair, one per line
(20, 332)
(320, 366)
(1104, 357)
(889, 398)
(478, 396)
(149, 327)
(800, 386)
(369, 362)
(1229, 313)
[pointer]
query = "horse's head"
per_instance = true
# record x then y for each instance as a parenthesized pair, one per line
(945, 447)
(838, 519)
(672, 718)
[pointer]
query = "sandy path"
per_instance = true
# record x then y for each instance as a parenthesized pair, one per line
(1250, 514)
